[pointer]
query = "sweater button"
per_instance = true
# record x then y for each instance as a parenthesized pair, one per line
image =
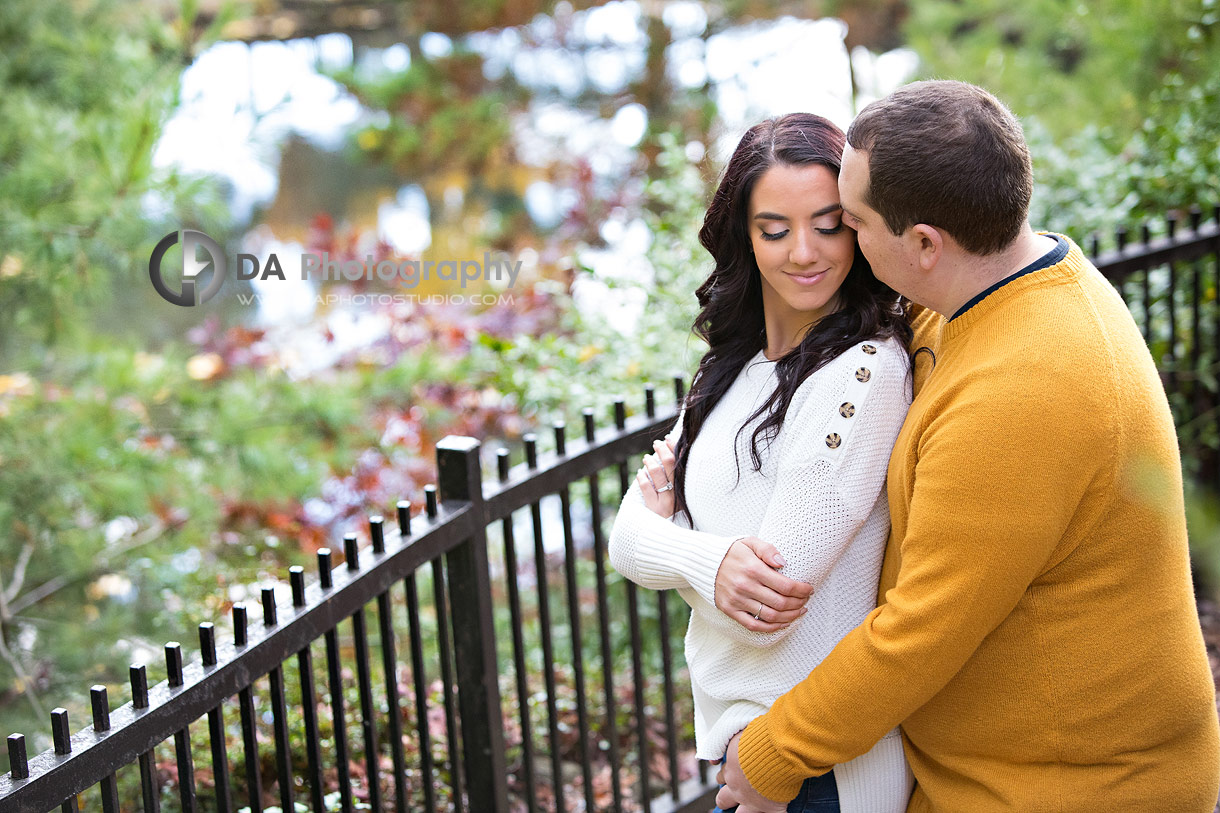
(833, 440)
(863, 374)
(868, 348)
(847, 409)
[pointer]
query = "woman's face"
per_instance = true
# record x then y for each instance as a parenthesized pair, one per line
(800, 244)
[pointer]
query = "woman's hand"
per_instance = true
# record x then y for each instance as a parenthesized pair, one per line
(656, 476)
(751, 590)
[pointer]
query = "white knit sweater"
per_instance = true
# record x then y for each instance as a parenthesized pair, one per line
(819, 498)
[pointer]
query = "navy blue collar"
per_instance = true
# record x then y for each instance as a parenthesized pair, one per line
(1055, 255)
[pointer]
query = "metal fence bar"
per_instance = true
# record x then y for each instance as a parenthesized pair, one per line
(520, 674)
(637, 644)
(460, 479)
(279, 711)
(1184, 246)
(1214, 474)
(1172, 296)
(189, 678)
(667, 657)
(544, 630)
(529, 484)
(1188, 362)
(573, 591)
(216, 727)
(364, 681)
(603, 625)
(334, 676)
(182, 737)
(419, 679)
(249, 730)
(61, 733)
(441, 603)
(389, 665)
(101, 722)
(309, 697)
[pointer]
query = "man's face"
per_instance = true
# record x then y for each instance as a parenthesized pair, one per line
(884, 250)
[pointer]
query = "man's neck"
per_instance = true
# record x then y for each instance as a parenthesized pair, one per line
(977, 274)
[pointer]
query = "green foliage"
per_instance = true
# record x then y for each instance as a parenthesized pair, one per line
(1051, 57)
(1203, 522)
(84, 91)
(1121, 99)
(136, 488)
(445, 116)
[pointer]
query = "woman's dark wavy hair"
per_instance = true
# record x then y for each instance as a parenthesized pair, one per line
(730, 319)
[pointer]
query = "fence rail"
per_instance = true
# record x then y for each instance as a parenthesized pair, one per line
(448, 546)
(494, 606)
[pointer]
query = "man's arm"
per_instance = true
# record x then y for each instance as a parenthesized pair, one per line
(992, 499)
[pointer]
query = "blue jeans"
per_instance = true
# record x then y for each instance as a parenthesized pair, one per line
(819, 794)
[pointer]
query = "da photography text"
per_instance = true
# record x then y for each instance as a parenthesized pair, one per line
(406, 273)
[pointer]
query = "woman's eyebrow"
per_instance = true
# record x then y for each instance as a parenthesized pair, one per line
(825, 210)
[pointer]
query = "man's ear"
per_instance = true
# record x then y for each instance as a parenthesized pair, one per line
(928, 244)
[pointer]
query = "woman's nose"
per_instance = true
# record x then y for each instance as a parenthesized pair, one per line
(803, 251)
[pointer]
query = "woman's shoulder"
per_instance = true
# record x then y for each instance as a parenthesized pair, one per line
(857, 370)
(890, 353)
(864, 361)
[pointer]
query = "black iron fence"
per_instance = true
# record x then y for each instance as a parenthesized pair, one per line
(1170, 283)
(527, 676)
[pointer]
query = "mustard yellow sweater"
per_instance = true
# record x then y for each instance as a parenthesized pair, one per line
(1038, 639)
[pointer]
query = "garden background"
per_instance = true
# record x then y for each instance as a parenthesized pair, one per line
(159, 463)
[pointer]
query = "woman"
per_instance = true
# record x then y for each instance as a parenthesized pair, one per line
(771, 488)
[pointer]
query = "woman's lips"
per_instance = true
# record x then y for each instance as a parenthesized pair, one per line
(807, 279)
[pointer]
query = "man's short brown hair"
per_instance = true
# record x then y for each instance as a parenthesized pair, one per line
(950, 155)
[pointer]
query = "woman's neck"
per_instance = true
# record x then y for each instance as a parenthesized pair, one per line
(784, 331)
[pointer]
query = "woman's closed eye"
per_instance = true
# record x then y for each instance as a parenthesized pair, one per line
(779, 235)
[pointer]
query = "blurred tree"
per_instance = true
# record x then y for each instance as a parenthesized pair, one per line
(84, 90)
(449, 120)
(449, 116)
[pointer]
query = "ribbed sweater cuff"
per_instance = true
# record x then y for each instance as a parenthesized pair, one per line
(768, 771)
(693, 554)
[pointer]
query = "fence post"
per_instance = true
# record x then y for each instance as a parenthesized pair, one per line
(460, 478)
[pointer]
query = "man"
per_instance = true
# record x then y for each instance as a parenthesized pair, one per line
(1037, 637)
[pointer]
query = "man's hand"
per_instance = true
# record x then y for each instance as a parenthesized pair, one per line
(737, 790)
(751, 590)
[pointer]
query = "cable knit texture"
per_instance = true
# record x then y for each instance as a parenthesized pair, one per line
(820, 499)
(1039, 640)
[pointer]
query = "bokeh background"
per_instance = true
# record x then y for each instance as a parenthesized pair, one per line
(158, 463)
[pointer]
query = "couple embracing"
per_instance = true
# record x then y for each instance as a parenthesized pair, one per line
(924, 496)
